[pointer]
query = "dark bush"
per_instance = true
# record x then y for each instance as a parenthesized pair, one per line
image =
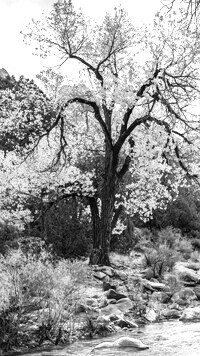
(8, 236)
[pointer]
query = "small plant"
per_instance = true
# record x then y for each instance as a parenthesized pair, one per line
(173, 282)
(136, 295)
(160, 259)
(173, 239)
(169, 237)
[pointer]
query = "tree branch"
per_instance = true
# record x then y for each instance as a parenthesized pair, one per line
(139, 95)
(89, 66)
(97, 114)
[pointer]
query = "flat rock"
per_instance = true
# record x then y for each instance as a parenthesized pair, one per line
(153, 285)
(99, 275)
(112, 294)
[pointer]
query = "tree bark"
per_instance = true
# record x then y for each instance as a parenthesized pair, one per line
(95, 222)
(102, 227)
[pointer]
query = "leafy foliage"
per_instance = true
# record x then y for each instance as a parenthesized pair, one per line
(33, 289)
(25, 114)
(181, 213)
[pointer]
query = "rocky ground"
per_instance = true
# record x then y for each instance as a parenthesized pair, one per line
(123, 296)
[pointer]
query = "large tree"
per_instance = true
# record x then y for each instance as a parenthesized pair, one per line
(133, 99)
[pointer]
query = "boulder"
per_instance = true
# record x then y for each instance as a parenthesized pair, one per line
(107, 286)
(103, 303)
(107, 270)
(171, 314)
(113, 317)
(124, 305)
(162, 297)
(111, 309)
(171, 280)
(147, 273)
(92, 302)
(124, 323)
(103, 319)
(151, 315)
(180, 302)
(165, 297)
(112, 294)
(120, 308)
(185, 294)
(185, 274)
(121, 275)
(81, 308)
(191, 314)
(197, 291)
(122, 342)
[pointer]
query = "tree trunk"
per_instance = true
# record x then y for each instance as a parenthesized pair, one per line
(102, 227)
(96, 228)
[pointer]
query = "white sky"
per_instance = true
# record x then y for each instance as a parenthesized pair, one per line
(17, 58)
